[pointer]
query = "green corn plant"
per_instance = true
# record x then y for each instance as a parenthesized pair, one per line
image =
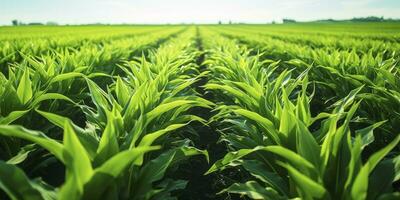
(58, 76)
(326, 168)
(79, 175)
(303, 111)
(338, 71)
(13, 50)
(125, 117)
(276, 142)
(18, 98)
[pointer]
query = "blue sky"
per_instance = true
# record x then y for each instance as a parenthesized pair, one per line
(188, 11)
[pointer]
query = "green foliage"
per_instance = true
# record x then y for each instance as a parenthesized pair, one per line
(114, 112)
(114, 156)
(289, 150)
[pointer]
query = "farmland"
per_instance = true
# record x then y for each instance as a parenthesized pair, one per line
(280, 111)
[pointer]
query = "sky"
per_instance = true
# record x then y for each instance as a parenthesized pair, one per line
(190, 11)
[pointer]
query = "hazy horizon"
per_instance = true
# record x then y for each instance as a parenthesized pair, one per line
(180, 11)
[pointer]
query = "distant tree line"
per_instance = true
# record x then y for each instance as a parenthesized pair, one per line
(368, 19)
(373, 19)
(20, 23)
(286, 21)
(356, 19)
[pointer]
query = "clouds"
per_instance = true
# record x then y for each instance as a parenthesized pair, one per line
(176, 11)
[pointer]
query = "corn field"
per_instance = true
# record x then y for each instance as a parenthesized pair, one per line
(308, 111)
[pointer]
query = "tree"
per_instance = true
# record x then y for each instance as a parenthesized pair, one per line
(35, 23)
(288, 21)
(14, 22)
(368, 19)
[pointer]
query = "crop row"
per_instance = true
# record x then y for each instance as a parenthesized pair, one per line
(121, 113)
(289, 148)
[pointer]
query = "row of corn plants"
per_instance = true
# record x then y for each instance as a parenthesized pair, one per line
(124, 150)
(289, 152)
(386, 44)
(91, 112)
(15, 49)
(54, 76)
(337, 72)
